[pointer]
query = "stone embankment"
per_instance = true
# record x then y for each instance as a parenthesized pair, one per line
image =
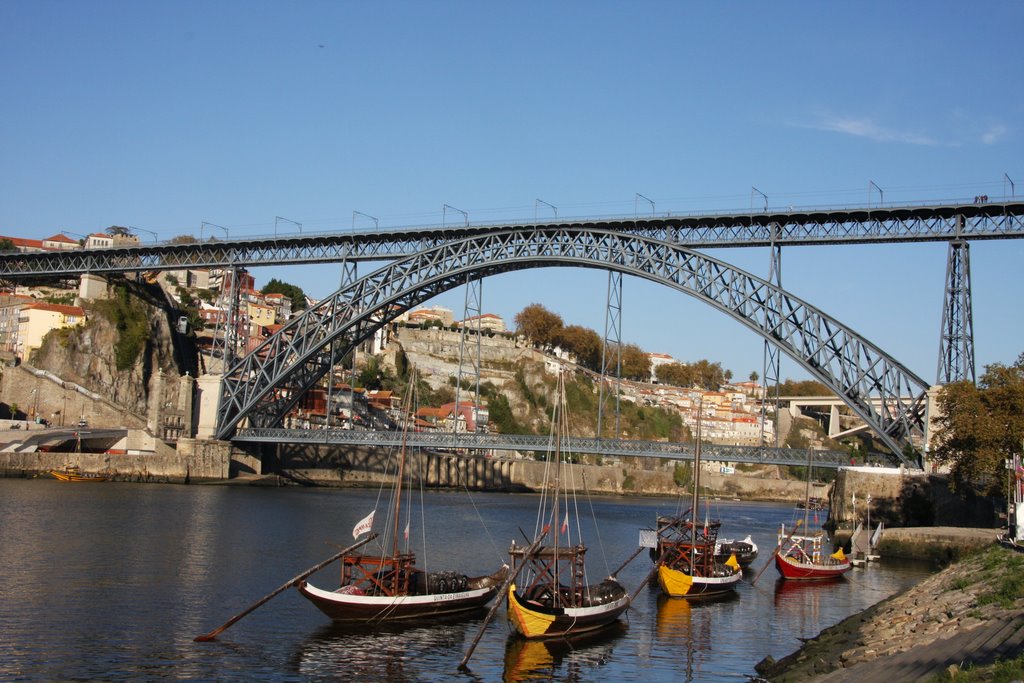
(971, 613)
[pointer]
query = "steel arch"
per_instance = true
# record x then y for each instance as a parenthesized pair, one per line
(268, 382)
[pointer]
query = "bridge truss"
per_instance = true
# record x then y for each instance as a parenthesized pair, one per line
(926, 223)
(265, 385)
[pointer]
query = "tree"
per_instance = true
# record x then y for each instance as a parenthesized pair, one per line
(293, 292)
(635, 363)
(979, 427)
(708, 375)
(807, 387)
(583, 343)
(538, 324)
(119, 231)
(754, 376)
(7, 245)
(675, 374)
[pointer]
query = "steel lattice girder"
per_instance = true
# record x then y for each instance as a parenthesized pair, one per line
(529, 442)
(267, 383)
(852, 226)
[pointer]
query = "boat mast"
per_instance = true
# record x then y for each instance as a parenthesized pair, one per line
(807, 495)
(556, 594)
(401, 457)
(694, 512)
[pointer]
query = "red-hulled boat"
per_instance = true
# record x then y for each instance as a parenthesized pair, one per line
(801, 558)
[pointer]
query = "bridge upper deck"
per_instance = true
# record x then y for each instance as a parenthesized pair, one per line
(800, 226)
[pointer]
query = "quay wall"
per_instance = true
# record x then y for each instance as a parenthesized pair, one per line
(899, 497)
(209, 461)
(192, 462)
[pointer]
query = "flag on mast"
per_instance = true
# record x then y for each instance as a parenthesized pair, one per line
(565, 522)
(364, 525)
(406, 533)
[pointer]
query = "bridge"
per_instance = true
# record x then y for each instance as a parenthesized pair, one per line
(499, 444)
(258, 390)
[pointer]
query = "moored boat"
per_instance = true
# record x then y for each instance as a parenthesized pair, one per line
(553, 596)
(802, 557)
(686, 550)
(73, 473)
(387, 586)
(744, 551)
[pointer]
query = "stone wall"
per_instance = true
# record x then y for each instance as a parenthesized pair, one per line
(197, 461)
(902, 497)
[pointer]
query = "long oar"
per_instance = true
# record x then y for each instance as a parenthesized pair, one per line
(212, 635)
(497, 601)
(630, 559)
(643, 583)
(776, 551)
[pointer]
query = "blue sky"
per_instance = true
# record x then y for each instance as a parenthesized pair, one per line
(165, 115)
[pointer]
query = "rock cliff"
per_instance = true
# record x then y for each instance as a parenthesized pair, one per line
(87, 355)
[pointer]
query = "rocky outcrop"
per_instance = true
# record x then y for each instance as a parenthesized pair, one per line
(975, 592)
(86, 355)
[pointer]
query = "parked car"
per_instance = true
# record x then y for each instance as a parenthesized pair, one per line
(82, 424)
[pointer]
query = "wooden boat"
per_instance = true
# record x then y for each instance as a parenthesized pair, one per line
(73, 473)
(801, 557)
(553, 596)
(686, 549)
(387, 586)
(744, 551)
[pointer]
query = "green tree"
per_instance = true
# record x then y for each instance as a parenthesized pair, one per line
(7, 245)
(804, 388)
(539, 325)
(583, 343)
(708, 375)
(293, 292)
(675, 374)
(635, 363)
(754, 376)
(979, 427)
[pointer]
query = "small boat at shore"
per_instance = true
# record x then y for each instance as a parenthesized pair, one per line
(802, 557)
(553, 596)
(75, 474)
(744, 551)
(686, 550)
(387, 586)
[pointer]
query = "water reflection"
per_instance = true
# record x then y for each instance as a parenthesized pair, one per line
(393, 652)
(563, 659)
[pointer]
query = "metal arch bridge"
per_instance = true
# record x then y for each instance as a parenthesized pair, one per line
(258, 387)
(265, 385)
(878, 225)
(440, 441)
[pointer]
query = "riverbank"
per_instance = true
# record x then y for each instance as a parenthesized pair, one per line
(968, 615)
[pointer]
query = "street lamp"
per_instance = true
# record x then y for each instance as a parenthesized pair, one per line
(763, 195)
(155, 238)
(541, 201)
(444, 214)
(68, 232)
(1006, 179)
(637, 199)
(376, 225)
(280, 218)
(212, 225)
(881, 195)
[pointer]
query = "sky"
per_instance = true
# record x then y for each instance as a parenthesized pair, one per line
(261, 117)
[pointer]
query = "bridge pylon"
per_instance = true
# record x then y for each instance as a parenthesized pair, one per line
(956, 338)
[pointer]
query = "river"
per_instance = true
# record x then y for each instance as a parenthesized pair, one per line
(112, 581)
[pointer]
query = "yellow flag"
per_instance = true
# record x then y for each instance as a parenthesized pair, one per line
(839, 555)
(731, 562)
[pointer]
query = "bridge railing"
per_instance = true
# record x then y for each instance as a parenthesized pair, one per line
(446, 441)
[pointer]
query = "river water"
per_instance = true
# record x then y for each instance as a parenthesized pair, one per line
(112, 581)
